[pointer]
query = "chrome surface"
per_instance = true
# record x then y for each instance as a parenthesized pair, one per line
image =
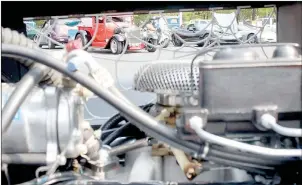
(169, 77)
(45, 123)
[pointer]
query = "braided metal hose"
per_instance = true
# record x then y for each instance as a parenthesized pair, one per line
(13, 37)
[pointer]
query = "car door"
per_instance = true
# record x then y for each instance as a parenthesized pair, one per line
(110, 26)
(101, 32)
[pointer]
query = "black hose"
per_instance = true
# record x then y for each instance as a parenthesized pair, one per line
(106, 133)
(115, 134)
(142, 120)
(112, 122)
(121, 141)
(116, 119)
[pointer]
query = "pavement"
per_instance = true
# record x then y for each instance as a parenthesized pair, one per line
(124, 70)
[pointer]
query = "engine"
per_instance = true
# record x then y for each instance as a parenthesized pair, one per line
(235, 118)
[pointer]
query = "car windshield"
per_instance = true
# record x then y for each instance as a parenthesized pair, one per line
(201, 26)
(117, 19)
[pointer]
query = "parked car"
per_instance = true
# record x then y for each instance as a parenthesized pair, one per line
(267, 36)
(58, 33)
(111, 34)
(73, 28)
(191, 34)
(30, 32)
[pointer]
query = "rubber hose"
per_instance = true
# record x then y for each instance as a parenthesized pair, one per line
(121, 141)
(116, 122)
(142, 120)
(116, 119)
(13, 37)
(112, 122)
(106, 133)
(115, 134)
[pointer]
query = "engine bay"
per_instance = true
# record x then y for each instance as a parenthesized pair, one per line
(234, 119)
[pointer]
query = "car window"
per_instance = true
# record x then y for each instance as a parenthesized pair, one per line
(117, 19)
(191, 26)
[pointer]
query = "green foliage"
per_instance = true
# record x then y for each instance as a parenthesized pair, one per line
(39, 23)
(245, 14)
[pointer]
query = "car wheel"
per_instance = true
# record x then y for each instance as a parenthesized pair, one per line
(165, 43)
(254, 40)
(116, 47)
(202, 38)
(84, 39)
(153, 42)
(51, 45)
(176, 42)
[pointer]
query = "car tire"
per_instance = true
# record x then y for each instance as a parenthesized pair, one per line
(253, 41)
(166, 43)
(153, 42)
(116, 46)
(176, 42)
(51, 45)
(83, 38)
(201, 38)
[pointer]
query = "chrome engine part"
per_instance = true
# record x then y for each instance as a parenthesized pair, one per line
(228, 89)
(46, 122)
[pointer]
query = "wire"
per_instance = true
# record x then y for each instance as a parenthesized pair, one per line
(93, 117)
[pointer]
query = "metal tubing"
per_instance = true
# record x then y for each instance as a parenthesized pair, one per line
(128, 147)
(196, 124)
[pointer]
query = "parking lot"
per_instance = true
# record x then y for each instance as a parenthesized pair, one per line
(124, 70)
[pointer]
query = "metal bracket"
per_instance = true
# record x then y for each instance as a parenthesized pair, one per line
(258, 111)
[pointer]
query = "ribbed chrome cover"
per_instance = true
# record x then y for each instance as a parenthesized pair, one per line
(170, 77)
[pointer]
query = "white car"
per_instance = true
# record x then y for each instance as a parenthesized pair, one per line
(267, 36)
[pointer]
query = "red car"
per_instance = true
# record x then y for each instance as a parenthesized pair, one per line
(111, 34)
